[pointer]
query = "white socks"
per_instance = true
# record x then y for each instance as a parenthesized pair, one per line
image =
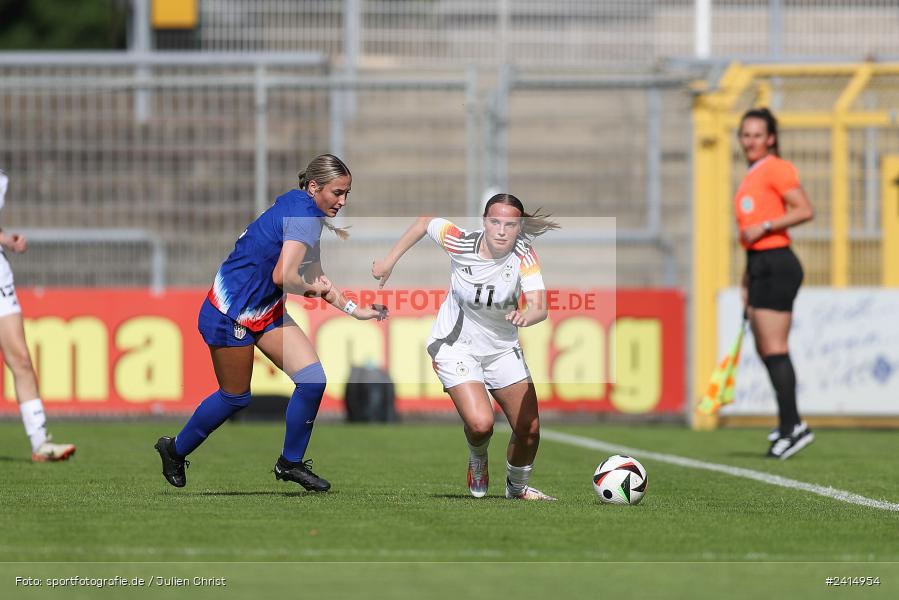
(478, 453)
(517, 478)
(35, 422)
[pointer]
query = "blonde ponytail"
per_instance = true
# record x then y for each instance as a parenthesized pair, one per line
(340, 232)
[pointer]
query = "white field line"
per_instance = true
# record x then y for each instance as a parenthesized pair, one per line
(827, 492)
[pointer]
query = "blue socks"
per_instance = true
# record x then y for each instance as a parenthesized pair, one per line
(211, 413)
(301, 412)
(302, 409)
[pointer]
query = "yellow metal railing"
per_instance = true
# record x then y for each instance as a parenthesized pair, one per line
(716, 116)
(889, 215)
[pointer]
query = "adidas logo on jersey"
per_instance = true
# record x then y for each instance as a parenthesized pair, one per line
(466, 270)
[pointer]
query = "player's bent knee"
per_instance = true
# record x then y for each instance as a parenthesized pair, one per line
(19, 362)
(236, 400)
(481, 427)
(311, 376)
(773, 350)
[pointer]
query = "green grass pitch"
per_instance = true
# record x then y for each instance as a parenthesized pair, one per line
(399, 519)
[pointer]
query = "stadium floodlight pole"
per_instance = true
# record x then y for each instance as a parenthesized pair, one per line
(336, 97)
(471, 151)
(140, 45)
(261, 154)
(503, 87)
(775, 28)
(488, 144)
(503, 18)
(654, 159)
(352, 42)
(703, 29)
(342, 97)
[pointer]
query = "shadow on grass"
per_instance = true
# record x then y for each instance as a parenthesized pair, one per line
(14, 459)
(227, 493)
(465, 497)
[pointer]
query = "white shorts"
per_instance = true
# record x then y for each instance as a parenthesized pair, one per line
(9, 302)
(495, 371)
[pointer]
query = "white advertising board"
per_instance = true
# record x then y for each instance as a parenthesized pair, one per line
(845, 349)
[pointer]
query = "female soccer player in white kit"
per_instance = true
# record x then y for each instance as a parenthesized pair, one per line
(474, 342)
(16, 355)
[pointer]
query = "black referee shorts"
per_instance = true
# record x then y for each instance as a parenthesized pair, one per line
(774, 278)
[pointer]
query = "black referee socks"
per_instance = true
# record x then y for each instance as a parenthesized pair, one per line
(783, 378)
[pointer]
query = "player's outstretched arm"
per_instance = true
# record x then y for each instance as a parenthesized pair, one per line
(338, 300)
(381, 269)
(315, 276)
(534, 311)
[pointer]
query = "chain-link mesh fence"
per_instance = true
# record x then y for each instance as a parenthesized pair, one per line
(610, 35)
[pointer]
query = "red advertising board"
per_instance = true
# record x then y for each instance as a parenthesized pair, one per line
(128, 351)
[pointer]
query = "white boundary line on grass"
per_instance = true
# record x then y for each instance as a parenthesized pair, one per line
(827, 492)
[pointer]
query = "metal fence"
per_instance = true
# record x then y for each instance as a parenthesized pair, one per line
(612, 146)
(610, 35)
(188, 152)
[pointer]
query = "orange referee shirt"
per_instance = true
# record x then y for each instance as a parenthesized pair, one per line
(760, 198)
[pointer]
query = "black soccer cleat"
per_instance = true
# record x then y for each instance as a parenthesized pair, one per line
(286, 470)
(172, 464)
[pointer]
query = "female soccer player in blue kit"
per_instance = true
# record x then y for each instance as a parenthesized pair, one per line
(278, 253)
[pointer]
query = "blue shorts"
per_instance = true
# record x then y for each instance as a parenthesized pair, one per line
(219, 329)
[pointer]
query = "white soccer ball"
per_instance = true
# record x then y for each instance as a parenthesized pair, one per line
(620, 480)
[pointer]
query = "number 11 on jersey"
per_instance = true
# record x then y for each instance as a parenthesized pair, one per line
(477, 296)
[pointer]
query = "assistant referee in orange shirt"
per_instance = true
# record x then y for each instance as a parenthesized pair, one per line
(769, 201)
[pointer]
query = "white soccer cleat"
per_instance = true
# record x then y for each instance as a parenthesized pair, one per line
(786, 447)
(50, 452)
(774, 434)
(478, 477)
(530, 493)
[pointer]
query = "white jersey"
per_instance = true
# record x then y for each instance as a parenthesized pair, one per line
(9, 302)
(4, 182)
(472, 318)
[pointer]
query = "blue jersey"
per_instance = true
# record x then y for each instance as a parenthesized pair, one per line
(243, 287)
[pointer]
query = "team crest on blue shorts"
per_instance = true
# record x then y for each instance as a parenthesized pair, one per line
(240, 332)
